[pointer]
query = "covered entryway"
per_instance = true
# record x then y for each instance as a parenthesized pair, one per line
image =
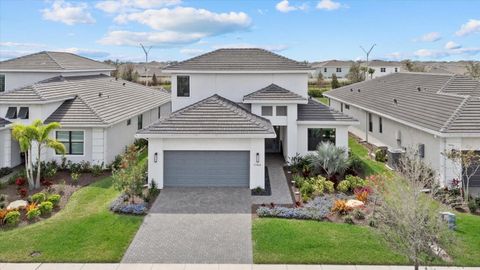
(206, 168)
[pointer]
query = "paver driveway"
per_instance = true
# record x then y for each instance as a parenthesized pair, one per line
(195, 225)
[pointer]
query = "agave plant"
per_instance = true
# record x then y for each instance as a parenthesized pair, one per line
(329, 159)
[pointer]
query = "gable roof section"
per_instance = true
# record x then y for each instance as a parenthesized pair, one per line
(316, 111)
(3, 122)
(53, 61)
(274, 92)
(435, 102)
(90, 100)
(214, 115)
(248, 59)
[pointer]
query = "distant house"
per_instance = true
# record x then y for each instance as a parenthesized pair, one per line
(429, 113)
(383, 68)
(327, 68)
(98, 113)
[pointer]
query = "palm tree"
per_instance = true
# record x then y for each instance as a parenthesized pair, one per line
(39, 134)
(371, 71)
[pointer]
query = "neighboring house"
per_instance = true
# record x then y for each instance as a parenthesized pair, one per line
(231, 106)
(430, 113)
(328, 68)
(98, 113)
(383, 68)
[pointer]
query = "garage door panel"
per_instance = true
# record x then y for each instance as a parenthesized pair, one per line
(206, 168)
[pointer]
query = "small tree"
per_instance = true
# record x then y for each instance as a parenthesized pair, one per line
(355, 74)
(466, 164)
(370, 72)
(319, 79)
(128, 72)
(473, 69)
(37, 134)
(407, 217)
(329, 159)
(335, 83)
(130, 177)
(154, 80)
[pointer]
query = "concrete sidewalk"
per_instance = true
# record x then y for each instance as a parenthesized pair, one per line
(74, 266)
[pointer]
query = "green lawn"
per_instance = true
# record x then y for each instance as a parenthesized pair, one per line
(85, 231)
(370, 166)
(313, 242)
(323, 100)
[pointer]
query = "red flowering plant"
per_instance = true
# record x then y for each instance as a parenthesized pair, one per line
(20, 181)
(23, 192)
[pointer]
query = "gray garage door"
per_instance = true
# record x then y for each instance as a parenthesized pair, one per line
(206, 168)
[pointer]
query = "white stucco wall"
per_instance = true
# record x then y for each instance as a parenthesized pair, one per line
(235, 86)
(388, 70)
(14, 80)
(36, 111)
(257, 171)
(341, 76)
(4, 148)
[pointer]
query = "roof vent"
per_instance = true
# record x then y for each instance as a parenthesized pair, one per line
(351, 89)
(123, 84)
(359, 90)
(395, 101)
(116, 79)
(419, 89)
(100, 94)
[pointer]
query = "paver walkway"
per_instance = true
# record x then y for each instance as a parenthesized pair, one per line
(278, 182)
(73, 266)
(195, 225)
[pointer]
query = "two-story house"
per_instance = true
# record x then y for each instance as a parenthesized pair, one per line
(99, 114)
(231, 106)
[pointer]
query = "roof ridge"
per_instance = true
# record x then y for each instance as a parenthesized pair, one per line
(91, 108)
(455, 115)
(243, 111)
(53, 59)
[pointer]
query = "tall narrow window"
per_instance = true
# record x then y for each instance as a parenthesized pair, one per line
(72, 140)
(370, 123)
(324, 69)
(380, 125)
(396, 69)
(183, 86)
(11, 113)
(341, 107)
(140, 121)
(23, 113)
(159, 113)
(2, 82)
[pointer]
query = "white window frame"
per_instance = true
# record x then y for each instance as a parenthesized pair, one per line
(84, 142)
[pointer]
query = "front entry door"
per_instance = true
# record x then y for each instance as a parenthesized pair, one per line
(273, 145)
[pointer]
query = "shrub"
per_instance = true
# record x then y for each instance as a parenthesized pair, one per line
(329, 159)
(45, 207)
(23, 192)
(358, 214)
(299, 180)
(340, 206)
(38, 197)
(33, 214)
(116, 163)
(74, 167)
(297, 163)
(343, 186)
(20, 181)
(472, 206)
(12, 218)
(3, 213)
(348, 220)
(5, 171)
(3, 201)
(321, 185)
(97, 169)
(306, 190)
(121, 205)
(355, 181)
(85, 166)
(316, 93)
(140, 143)
(54, 199)
(130, 178)
(75, 177)
(381, 155)
(356, 164)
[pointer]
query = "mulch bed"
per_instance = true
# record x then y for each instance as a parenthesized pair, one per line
(61, 184)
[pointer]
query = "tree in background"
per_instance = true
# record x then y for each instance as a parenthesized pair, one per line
(37, 134)
(412, 67)
(335, 83)
(319, 79)
(473, 69)
(364, 71)
(128, 72)
(355, 74)
(135, 76)
(370, 72)
(154, 80)
(407, 217)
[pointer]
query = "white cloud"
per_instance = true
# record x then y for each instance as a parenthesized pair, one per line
(472, 26)
(272, 47)
(121, 6)
(436, 54)
(165, 38)
(452, 45)
(394, 55)
(87, 52)
(429, 37)
(21, 44)
(284, 6)
(192, 51)
(68, 13)
(328, 5)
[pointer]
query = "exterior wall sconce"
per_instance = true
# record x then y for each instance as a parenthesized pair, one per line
(258, 158)
(155, 157)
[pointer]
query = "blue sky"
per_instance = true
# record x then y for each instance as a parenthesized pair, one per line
(303, 30)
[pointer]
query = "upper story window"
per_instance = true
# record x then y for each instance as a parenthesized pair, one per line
(281, 110)
(11, 113)
(23, 113)
(383, 69)
(339, 69)
(72, 140)
(319, 135)
(140, 121)
(2, 82)
(267, 111)
(396, 69)
(183, 86)
(324, 69)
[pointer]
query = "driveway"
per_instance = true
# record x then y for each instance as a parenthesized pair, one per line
(195, 225)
